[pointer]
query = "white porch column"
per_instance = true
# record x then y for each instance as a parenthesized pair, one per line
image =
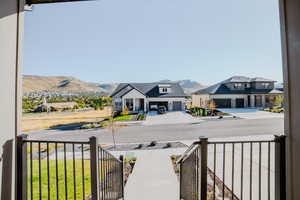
(145, 105)
(233, 102)
(246, 101)
(252, 101)
(290, 27)
(133, 99)
(123, 104)
(11, 42)
(263, 100)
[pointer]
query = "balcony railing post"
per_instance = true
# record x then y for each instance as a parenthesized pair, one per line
(280, 168)
(94, 168)
(22, 171)
(122, 174)
(203, 168)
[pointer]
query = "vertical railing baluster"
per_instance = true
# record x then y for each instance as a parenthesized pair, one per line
(74, 171)
(259, 171)
(204, 152)
(232, 173)
(109, 177)
(102, 174)
(94, 168)
(40, 173)
(214, 179)
(31, 173)
(22, 171)
(242, 170)
(48, 172)
(269, 169)
(82, 171)
(280, 168)
(122, 175)
(65, 168)
(223, 186)
(250, 185)
(56, 172)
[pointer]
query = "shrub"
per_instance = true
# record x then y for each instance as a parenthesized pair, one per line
(125, 111)
(152, 144)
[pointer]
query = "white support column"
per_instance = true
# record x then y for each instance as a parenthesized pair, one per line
(246, 101)
(145, 105)
(123, 104)
(263, 100)
(11, 42)
(133, 100)
(233, 102)
(252, 101)
(290, 27)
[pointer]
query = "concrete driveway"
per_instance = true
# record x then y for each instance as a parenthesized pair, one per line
(251, 113)
(170, 118)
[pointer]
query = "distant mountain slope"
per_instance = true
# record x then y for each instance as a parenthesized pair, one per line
(33, 83)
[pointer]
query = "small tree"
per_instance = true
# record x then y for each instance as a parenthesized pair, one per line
(125, 111)
(212, 105)
(278, 101)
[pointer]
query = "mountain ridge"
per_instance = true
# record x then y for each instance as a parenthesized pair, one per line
(37, 83)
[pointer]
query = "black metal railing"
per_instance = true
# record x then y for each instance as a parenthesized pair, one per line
(235, 170)
(110, 175)
(64, 170)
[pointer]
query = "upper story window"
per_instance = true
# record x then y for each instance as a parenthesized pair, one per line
(265, 85)
(237, 85)
(247, 85)
(164, 90)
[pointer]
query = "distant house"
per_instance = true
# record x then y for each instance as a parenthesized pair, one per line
(144, 97)
(47, 107)
(238, 92)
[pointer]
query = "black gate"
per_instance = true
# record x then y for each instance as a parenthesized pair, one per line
(64, 170)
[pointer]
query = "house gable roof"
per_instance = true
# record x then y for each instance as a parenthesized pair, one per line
(220, 87)
(148, 89)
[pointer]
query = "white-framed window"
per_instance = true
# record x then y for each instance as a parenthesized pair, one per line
(247, 85)
(164, 90)
(237, 85)
(265, 85)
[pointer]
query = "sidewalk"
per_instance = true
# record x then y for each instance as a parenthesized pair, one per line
(153, 177)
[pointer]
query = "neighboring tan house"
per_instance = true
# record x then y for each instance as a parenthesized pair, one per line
(238, 92)
(144, 97)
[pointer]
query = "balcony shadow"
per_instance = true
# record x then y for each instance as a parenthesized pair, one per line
(7, 161)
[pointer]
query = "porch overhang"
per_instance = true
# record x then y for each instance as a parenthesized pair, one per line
(31, 2)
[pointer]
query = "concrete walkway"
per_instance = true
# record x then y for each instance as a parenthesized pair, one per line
(153, 177)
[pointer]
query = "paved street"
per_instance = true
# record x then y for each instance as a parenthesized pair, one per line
(252, 113)
(171, 132)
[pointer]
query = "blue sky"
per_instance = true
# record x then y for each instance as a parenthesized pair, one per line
(149, 40)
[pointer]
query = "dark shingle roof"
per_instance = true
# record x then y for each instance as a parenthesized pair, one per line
(220, 88)
(149, 89)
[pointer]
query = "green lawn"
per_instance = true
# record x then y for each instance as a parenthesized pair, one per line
(61, 179)
(123, 117)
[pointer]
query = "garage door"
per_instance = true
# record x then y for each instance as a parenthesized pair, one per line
(222, 103)
(239, 103)
(155, 105)
(177, 105)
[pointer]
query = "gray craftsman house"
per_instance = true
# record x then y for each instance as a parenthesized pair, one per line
(238, 92)
(137, 97)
